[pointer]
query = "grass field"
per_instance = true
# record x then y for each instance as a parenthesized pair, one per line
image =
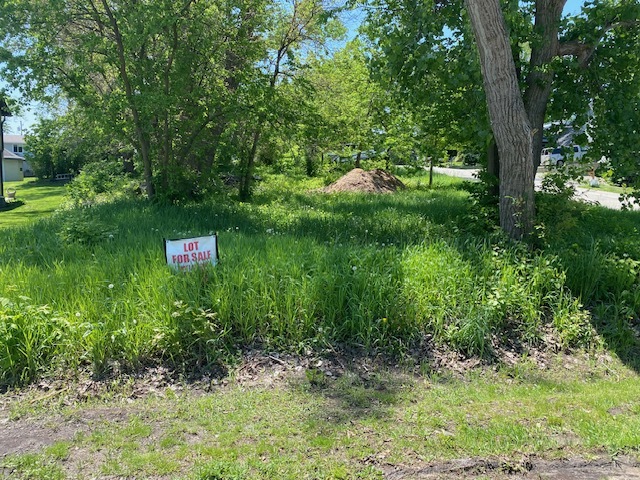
(87, 304)
(303, 270)
(34, 200)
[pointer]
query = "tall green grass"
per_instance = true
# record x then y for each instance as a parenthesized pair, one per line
(298, 271)
(599, 251)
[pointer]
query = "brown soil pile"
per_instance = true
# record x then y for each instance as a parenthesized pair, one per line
(372, 181)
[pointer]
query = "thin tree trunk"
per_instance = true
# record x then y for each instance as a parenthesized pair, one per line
(212, 151)
(245, 181)
(143, 138)
(540, 78)
(244, 190)
(508, 117)
(167, 143)
(310, 155)
(431, 172)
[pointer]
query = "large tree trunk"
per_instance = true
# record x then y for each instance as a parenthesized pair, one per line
(508, 117)
(493, 167)
(540, 78)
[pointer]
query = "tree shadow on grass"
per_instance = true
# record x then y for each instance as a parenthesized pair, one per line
(11, 206)
(37, 184)
(599, 251)
(355, 394)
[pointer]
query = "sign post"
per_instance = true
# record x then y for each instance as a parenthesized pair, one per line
(186, 253)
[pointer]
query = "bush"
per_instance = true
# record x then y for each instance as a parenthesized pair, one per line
(101, 180)
(79, 226)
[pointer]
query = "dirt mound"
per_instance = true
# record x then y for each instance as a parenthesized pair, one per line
(372, 181)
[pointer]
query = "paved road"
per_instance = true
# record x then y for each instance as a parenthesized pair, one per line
(606, 199)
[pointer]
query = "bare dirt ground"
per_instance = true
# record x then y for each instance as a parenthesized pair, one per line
(531, 468)
(31, 434)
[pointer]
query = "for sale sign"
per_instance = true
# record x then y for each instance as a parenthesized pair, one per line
(185, 253)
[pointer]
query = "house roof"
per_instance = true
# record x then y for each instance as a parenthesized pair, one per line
(13, 139)
(11, 156)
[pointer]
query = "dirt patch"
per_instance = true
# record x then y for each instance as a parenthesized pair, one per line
(529, 468)
(361, 379)
(372, 181)
(29, 435)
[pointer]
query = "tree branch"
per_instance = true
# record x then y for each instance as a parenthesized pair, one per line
(584, 51)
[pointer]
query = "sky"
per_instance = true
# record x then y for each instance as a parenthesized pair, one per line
(19, 124)
(573, 7)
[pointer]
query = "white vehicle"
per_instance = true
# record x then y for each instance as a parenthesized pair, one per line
(558, 156)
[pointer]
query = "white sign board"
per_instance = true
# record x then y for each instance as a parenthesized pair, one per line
(185, 253)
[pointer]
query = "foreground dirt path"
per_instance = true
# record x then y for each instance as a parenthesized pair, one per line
(572, 469)
(26, 436)
(311, 409)
(32, 435)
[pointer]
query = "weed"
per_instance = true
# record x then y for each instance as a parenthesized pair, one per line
(31, 467)
(315, 377)
(194, 336)
(79, 227)
(221, 471)
(302, 271)
(30, 339)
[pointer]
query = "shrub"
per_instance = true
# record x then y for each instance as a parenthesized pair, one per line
(78, 226)
(101, 180)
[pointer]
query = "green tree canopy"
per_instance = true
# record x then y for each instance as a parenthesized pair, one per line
(416, 42)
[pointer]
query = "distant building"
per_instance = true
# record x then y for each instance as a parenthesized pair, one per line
(12, 167)
(15, 145)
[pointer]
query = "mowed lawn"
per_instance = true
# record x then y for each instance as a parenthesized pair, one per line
(34, 199)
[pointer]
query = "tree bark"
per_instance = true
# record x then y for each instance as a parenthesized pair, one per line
(493, 167)
(493, 159)
(246, 177)
(540, 78)
(509, 120)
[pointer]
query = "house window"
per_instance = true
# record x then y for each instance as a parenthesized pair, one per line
(17, 149)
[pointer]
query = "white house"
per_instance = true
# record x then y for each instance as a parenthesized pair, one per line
(12, 167)
(15, 145)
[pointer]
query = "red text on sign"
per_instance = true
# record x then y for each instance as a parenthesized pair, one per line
(190, 246)
(191, 257)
